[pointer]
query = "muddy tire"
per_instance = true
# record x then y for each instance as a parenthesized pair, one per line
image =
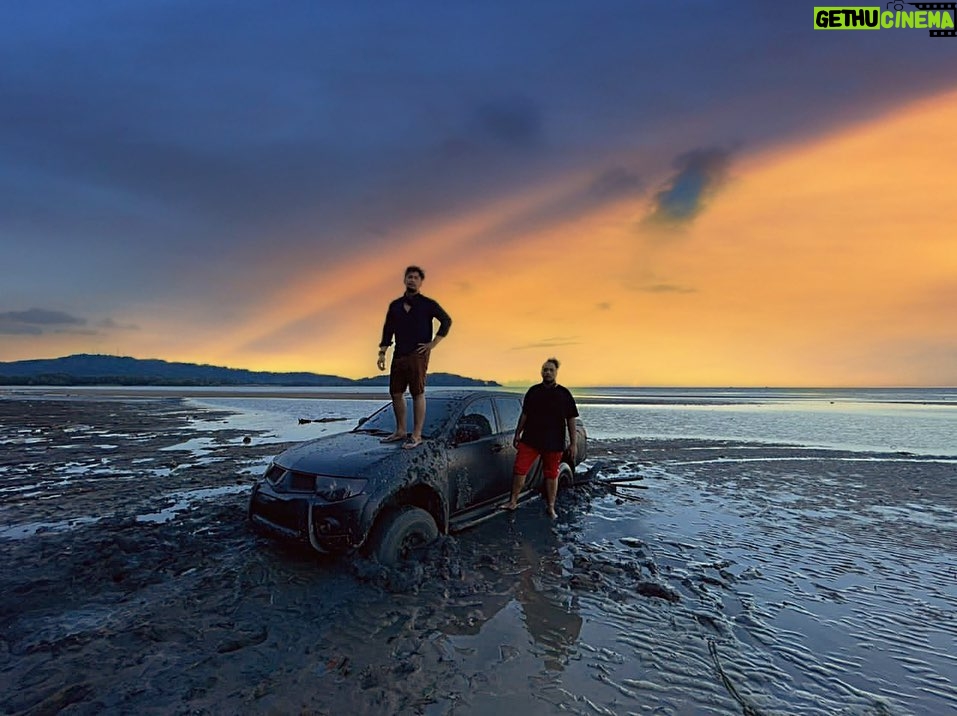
(401, 533)
(566, 476)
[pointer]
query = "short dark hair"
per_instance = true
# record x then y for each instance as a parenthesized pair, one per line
(555, 361)
(416, 269)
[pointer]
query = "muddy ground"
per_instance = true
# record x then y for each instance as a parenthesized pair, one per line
(744, 579)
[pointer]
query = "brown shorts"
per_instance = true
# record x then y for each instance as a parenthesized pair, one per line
(408, 372)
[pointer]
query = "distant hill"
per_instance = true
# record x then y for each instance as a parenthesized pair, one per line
(84, 369)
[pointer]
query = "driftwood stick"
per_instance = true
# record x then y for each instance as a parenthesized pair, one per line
(630, 498)
(616, 480)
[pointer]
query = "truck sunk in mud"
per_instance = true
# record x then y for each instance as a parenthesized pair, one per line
(349, 491)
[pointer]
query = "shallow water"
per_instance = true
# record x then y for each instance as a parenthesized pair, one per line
(918, 429)
(916, 421)
(278, 419)
(717, 577)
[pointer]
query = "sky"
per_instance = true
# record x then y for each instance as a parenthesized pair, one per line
(659, 194)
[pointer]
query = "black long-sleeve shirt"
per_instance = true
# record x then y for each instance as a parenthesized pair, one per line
(414, 326)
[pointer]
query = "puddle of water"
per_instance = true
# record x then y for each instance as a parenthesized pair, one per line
(188, 499)
(30, 529)
(195, 445)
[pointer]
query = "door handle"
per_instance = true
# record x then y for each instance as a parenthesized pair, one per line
(498, 447)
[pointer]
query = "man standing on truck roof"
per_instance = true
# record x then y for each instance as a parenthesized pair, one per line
(409, 318)
(548, 410)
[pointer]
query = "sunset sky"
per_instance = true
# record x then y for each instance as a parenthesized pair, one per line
(660, 194)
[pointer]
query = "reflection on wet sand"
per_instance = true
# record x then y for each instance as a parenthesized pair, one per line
(551, 617)
(528, 544)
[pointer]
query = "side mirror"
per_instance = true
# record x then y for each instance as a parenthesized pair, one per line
(361, 422)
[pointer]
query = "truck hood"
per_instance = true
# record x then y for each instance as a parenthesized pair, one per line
(352, 455)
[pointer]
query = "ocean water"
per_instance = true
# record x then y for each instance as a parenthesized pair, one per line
(917, 421)
(922, 422)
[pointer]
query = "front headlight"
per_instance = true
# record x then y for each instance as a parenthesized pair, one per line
(337, 489)
(274, 473)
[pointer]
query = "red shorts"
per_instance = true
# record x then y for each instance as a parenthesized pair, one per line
(408, 372)
(526, 456)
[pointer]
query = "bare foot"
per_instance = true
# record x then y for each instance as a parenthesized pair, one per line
(551, 512)
(508, 507)
(393, 438)
(414, 442)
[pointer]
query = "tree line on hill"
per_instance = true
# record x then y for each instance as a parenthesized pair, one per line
(84, 369)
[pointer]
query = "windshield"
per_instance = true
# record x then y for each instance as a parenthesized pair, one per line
(437, 415)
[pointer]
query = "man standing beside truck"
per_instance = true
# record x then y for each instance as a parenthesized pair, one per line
(548, 411)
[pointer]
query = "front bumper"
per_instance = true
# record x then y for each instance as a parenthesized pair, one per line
(330, 527)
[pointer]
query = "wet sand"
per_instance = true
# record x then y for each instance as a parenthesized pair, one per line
(714, 578)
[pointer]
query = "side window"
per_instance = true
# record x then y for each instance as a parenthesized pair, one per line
(477, 421)
(509, 411)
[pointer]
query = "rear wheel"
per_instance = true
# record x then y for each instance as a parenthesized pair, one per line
(402, 533)
(566, 476)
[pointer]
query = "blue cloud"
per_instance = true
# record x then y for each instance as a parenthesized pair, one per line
(35, 321)
(699, 175)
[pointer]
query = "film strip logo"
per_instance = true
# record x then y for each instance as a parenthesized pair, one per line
(930, 6)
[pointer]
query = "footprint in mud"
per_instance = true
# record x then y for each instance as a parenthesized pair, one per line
(242, 640)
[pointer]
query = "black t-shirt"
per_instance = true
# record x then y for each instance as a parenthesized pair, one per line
(546, 410)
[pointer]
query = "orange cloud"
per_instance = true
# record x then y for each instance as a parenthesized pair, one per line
(807, 265)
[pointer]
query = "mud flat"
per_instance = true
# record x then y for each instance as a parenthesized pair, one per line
(711, 578)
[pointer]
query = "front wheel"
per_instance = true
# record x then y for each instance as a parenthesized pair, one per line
(401, 533)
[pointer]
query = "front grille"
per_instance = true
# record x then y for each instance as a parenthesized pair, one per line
(287, 516)
(301, 482)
